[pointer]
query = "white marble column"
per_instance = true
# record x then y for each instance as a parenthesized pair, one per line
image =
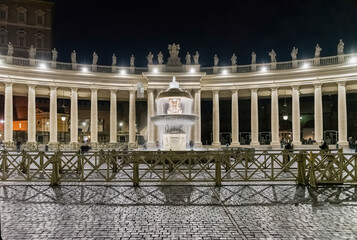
(8, 116)
(74, 117)
(132, 141)
(254, 117)
(235, 119)
(215, 123)
(31, 117)
(318, 114)
(296, 115)
(113, 116)
(94, 118)
(342, 115)
(53, 116)
(150, 126)
(197, 128)
(275, 118)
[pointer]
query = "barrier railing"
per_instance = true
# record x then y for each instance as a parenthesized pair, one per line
(302, 167)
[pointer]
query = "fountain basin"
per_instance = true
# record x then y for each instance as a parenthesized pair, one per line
(174, 119)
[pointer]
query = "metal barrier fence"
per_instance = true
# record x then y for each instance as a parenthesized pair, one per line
(302, 167)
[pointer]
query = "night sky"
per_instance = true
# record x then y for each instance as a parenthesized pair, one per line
(210, 27)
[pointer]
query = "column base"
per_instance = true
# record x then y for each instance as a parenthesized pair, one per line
(93, 144)
(9, 144)
(342, 144)
(75, 145)
(216, 145)
(150, 145)
(198, 145)
(275, 144)
(296, 144)
(132, 145)
(235, 144)
(113, 145)
(254, 143)
(31, 146)
(53, 145)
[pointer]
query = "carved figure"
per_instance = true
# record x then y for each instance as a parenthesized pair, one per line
(149, 58)
(294, 53)
(114, 60)
(215, 60)
(132, 60)
(340, 47)
(272, 55)
(174, 60)
(95, 58)
(234, 59)
(317, 51)
(54, 55)
(254, 58)
(10, 49)
(74, 56)
(195, 58)
(188, 58)
(160, 58)
(32, 52)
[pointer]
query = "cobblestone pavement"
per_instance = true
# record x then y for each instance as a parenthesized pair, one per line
(91, 211)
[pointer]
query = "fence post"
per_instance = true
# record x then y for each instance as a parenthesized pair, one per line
(218, 170)
(301, 169)
(55, 170)
(23, 165)
(312, 176)
(171, 165)
(113, 159)
(4, 164)
(135, 170)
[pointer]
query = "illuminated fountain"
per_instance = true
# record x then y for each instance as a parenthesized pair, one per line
(174, 117)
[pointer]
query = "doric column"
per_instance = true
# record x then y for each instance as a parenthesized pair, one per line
(197, 128)
(296, 115)
(74, 117)
(31, 117)
(215, 123)
(94, 118)
(342, 114)
(8, 115)
(150, 126)
(131, 142)
(254, 117)
(53, 116)
(235, 119)
(275, 117)
(318, 114)
(113, 116)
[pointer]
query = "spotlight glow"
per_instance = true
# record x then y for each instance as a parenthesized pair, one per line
(264, 69)
(42, 66)
(192, 70)
(63, 118)
(225, 71)
(122, 72)
(155, 70)
(84, 69)
(353, 60)
(305, 66)
(285, 117)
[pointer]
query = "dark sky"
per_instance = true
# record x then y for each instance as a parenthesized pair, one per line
(210, 27)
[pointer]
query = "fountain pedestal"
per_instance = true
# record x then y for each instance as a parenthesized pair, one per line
(174, 141)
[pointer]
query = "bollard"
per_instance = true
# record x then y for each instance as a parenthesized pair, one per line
(55, 179)
(218, 171)
(312, 176)
(301, 179)
(135, 171)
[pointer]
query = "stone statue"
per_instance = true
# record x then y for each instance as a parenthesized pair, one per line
(215, 60)
(132, 60)
(317, 51)
(195, 58)
(95, 58)
(340, 47)
(114, 60)
(234, 59)
(149, 58)
(174, 60)
(32, 52)
(74, 56)
(254, 58)
(188, 59)
(54, 55)
(10, 49)
(294, 53)
(272, 55)
(160, 58)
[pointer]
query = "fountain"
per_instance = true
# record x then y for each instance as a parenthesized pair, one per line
(174, 117)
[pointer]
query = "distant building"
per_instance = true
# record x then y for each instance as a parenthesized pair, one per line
(25, 23)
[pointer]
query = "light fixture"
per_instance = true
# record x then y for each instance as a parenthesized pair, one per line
(84, 69)
(353, 60)
(122, 71)
(47, 123)
(121, 124)
(2, 121)
(285, 115)
(300, 117)
(42, 66)
(263, 69)
(155, 70)
(192, 70)
(306, 65)
(63, 118)
(224, 71)
(84, 123)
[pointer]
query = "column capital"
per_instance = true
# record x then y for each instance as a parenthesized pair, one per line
(74, 89)
(274, 88)
(150, 90)
(235, 90)
(8, 84)
(31, 85)
(215, 91)
(254, 90)
(317, 85)
(53, 88)
(295, 87)
(94, 89)
(341, 83)
(113, 91)
(132, 91)
(197, 90)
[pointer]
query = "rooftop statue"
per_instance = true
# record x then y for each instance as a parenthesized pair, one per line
(32, 52)
(74, 56)
(215, 60)
(254, 58)
(54, 55)
(10, 49)
(294, 53)
(174, 51)
(272, 55)
(132, 60)
(340, 47)
(95, 58)
(160, 58)
(195, 58)
(114, 60)
(188, 59)
(234, 59)
(149, 58)
(317, 51)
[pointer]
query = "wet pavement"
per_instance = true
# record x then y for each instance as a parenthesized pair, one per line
(159, 211)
